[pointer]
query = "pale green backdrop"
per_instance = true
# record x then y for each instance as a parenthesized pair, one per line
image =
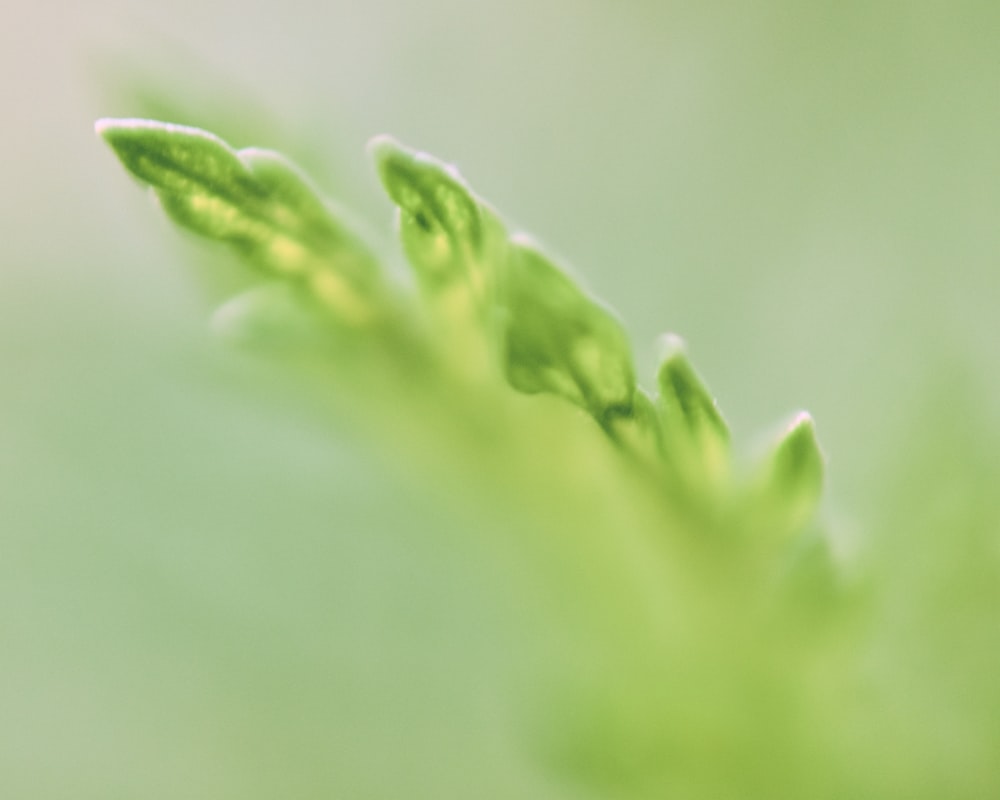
(203, 594)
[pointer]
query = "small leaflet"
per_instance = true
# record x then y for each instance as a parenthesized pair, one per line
(257, 202)
(559, 340)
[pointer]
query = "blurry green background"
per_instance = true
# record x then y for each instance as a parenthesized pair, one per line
(204, 595)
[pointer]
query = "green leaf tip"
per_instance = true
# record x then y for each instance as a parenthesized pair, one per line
(684, 398)
(549, 335)
(257, 202)
(695, 435)
(794, 474)
(797, 460)
(441, 222)
(456, 246)
(173, 157)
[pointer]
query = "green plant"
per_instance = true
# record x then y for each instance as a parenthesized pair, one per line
(494, 311)
(698, 637)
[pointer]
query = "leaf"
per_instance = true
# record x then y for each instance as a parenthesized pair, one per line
(441, 223)
(695, 436)
(793, 477)
(501, 307)
(457, 247)
(673, 638)
(257, 202)
(559, 340)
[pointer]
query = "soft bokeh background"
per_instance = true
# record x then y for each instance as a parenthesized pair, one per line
(204, 596)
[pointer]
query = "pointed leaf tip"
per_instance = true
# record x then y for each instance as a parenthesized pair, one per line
(441, 222)
(798, 459)
(794, 476)
(425, 186)
(108, 127)
(258, 202)
(669, 345)
(175, 158)
(685, 401)
(124, 129)
(382, 147)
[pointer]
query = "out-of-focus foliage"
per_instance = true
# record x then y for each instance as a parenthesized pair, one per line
(720, 650)
(213, 585)
(495, 304)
